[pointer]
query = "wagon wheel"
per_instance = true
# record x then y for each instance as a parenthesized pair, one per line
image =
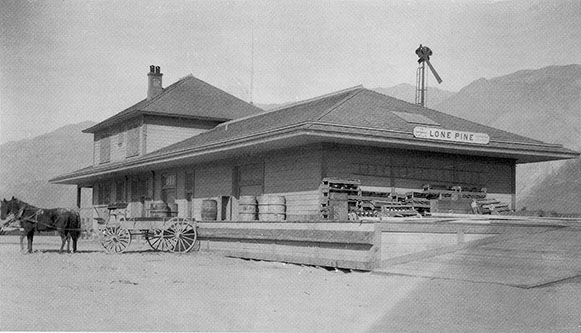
(182, 235)
(159, 240)
(115, 239)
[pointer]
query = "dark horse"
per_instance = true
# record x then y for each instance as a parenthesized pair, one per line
(65, 221)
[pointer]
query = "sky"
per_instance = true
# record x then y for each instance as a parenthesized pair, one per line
(64, 62)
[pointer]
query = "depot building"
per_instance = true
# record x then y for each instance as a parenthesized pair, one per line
(190, 142)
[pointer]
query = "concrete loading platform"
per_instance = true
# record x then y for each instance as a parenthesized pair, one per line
(519, 252)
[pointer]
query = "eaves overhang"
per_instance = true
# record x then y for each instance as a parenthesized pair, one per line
(115, 120)
(313, 132)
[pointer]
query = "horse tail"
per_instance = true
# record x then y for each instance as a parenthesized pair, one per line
(75, 224)
(69, 224)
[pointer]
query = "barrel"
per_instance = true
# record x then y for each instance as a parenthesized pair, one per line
(247, 208)
(271, 208)
(159, 209)
(209, 210)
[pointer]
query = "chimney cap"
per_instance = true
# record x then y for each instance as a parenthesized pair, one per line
(151, 68)
(157, 69)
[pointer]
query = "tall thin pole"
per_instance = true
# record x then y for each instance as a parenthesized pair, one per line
(252, 66)
(423, 84)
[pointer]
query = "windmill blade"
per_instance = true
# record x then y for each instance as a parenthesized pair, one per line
(434, 72)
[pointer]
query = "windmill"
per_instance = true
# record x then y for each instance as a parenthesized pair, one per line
(424, 54)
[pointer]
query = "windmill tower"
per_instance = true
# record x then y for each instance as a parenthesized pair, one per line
(424, 54)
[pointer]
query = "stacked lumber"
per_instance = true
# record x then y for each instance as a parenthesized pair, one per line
(338, 197)
(492, 206)
(343, 199)
(439, 192)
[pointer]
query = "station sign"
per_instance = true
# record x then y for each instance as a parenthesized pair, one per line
(451, 135)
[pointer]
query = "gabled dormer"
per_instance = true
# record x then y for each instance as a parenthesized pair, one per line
(184, 109)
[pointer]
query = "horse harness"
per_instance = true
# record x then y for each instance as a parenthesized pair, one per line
(34, 219)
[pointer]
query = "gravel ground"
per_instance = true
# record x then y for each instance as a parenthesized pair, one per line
(142, 290)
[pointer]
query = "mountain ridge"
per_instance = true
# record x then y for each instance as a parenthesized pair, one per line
(34, 161)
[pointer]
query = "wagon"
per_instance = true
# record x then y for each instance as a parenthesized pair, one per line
(163, 233)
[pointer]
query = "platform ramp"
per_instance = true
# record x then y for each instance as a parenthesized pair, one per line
(525, 261)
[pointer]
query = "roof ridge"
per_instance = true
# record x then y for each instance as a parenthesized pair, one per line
(166, 90)
(357, 91)
(287, 106)
(223, 91)
(399, 99)
(309, 100)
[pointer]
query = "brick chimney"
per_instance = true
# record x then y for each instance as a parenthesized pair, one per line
(154, 87)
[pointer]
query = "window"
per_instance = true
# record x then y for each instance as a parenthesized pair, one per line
(168, 188)
(139, 187)
(133, 141)
(168, 180)
(120, 193)
(190, 182)
(104, 195)
(105, 149)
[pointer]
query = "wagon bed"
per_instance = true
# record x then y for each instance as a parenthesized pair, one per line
(173, 234)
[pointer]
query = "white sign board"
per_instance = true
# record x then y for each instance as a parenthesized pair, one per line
(451, 135)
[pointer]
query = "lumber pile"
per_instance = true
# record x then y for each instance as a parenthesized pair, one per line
(344, 199)
(492, 206)
(338, 197)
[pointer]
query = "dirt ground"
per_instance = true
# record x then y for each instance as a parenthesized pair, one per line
(142, 290)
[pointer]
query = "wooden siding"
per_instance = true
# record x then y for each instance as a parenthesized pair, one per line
(296, 175)
(96, 149)
(293, 170)
(118, 142)
(159, 136)
(400, 169)
(213, 180)
(302, 205)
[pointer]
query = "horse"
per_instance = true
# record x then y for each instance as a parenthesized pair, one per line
(66, 222)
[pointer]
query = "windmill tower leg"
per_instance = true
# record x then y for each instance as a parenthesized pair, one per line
(421, 84)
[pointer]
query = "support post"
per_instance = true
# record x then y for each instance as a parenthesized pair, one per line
(79, 188)
(376, 248)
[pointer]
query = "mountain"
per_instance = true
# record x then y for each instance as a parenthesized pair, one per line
(28, 164)
(542, 104)
(559, 192)
(407, 92)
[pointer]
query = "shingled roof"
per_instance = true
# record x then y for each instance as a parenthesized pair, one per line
(356, 115)
(357, 111)
(189, 97)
